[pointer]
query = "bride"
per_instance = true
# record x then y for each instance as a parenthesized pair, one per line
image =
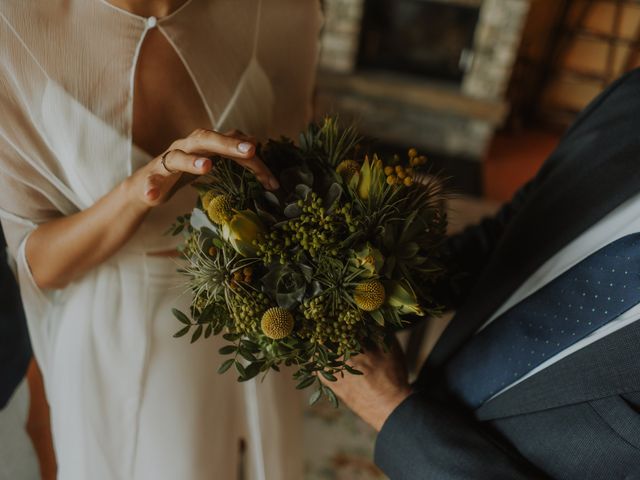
(108, 108)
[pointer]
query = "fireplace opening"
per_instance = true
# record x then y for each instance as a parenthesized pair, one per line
(431, 38)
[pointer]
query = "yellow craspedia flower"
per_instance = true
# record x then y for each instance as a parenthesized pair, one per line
(347, 169)
(206, 199)
(219, 209)
(369, 295)
(277, 323)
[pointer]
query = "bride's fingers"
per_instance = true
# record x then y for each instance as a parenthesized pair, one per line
(154, 187)
(209, 143)
(177, 162)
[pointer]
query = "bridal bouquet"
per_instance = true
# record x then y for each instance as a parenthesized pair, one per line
(312, 274)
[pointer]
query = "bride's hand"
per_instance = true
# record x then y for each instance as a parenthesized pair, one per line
(188, 158)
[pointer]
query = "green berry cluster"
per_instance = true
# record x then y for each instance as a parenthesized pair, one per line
(340, 328)
(318, 231)
(247, 310)
(273, 245)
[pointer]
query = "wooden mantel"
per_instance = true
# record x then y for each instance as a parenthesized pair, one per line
(412, 91)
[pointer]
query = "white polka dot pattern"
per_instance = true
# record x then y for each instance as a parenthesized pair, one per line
(589, 295)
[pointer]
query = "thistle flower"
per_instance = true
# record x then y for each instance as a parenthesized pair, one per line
(369, 295)
(219, 208)
(277, 323)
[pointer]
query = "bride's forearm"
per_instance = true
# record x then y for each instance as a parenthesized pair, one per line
(64, 249)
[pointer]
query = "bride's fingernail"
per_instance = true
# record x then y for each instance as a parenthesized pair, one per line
(199, 163)
(244, 147)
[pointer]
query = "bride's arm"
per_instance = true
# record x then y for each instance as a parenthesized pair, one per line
(63, 249)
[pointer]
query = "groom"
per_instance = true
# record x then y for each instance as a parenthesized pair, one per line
(538, 374)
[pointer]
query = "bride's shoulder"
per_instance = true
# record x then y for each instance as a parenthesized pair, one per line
(32, 15)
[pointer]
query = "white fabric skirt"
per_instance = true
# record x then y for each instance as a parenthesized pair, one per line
(129, 401)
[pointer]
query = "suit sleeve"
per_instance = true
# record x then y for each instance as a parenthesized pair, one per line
(467, 253)
(426, 439)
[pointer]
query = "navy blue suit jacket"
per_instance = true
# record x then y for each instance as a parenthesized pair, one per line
(578, 418)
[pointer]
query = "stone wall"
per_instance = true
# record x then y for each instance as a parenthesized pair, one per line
(341, 35)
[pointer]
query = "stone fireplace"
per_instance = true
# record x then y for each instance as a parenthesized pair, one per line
(426, 38)
(427, 73)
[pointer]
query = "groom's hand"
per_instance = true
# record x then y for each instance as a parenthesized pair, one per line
(381, 388)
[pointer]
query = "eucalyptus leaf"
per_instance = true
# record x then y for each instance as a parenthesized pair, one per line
(200, 220)
(182, 332)
(241, 370)
(328, 376)
(197, 333)
(332, 397)
(315, 396)
(307, 382)
(208, 330)
(250, 372)
(271, 198)
(352, 370)
(292, 210)
(226, 365)
(333, 195)
(227, 349)
(181, 316)
(302, 191)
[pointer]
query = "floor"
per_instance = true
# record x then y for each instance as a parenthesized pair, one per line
(514, 158)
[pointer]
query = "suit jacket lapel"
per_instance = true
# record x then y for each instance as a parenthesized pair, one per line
(567, 203)
(607, 367)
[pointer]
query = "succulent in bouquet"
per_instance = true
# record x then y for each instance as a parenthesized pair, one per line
(334, 262)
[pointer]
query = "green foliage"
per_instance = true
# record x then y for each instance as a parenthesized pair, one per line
(306, 248)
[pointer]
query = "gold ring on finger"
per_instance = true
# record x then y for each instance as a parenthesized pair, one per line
(164, 162)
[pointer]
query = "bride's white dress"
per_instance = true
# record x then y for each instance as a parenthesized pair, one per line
(127, 400)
